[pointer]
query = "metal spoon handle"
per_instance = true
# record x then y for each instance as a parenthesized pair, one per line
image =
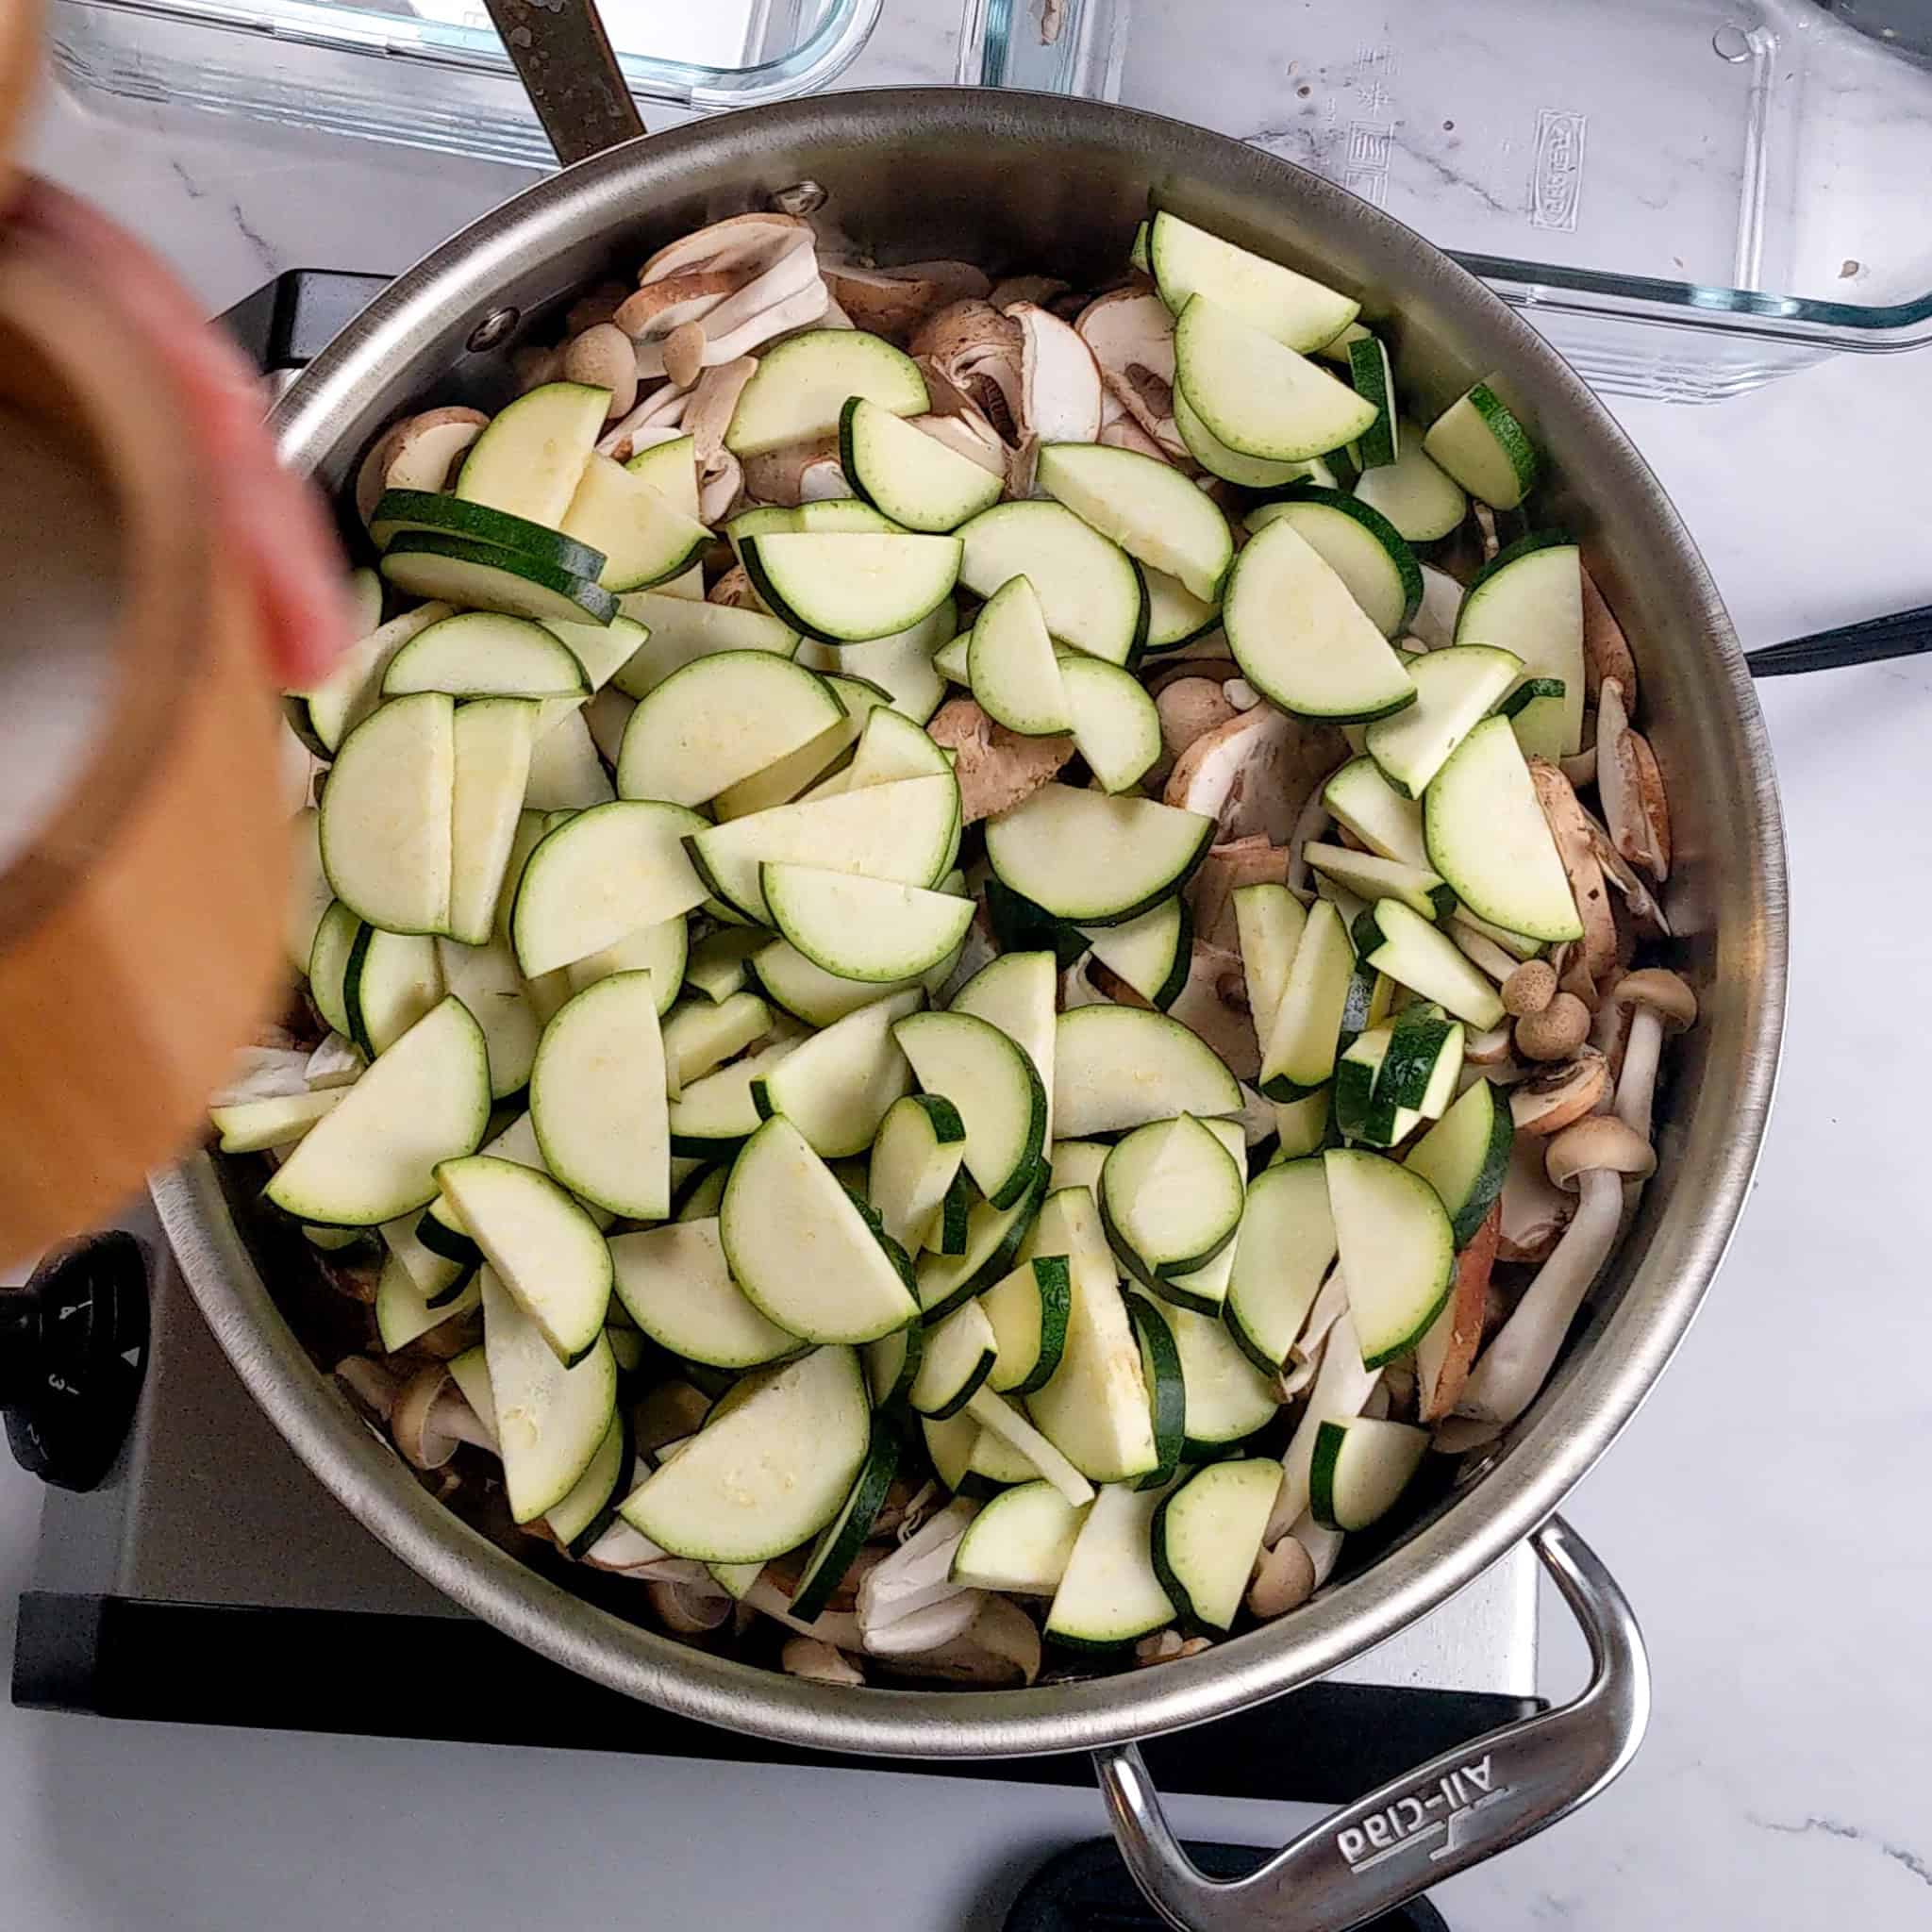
(565, 62)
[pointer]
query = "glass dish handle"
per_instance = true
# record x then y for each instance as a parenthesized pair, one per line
(1439, 1818)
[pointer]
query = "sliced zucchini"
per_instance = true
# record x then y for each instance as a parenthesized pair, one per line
(1529, 602)
(1116, 727)
(838, 1087)
(899, 665)
(792, 981)
(861, 928)
(914, 478)
(678, 1289)
(1301, 1126)
(681, 632)
(1369, 374)
(720, 721)
(660, 950)
(1293, 308)
(1154, 952)
(1357, 1073)
(1397, 941)
(1207, 1534)
(1167, 1393)
(767, 1475)
(1268, 921)
(1120, 1067)
(645, 537)
(385, 817)
(1230, 465)
(1480, 443)
(1022, 1541)
(310, 894)
(900, 833)
(848, 586)
(719, 964)
(992, 1084)
(477, 576)
(671, 469)
(324, 716)
(993, 1240)
(248, 1126)
(890, 1363)
(1091, 859)
(1359, 543)
(1388, 823)
(1282, 1256)
(843, 516)
(550, 1419)
(602, 649)
(1028, 1313)
(1146, 505)
(802, 386)
(1109, 1596)
(1227, 1397)
(373, 1159)
(1486, 835)
(1371, 879)
(601, 877)
(1089, 588)
(1302, 639)
(389, 981)
(802, 1250)
(915, 1156)
(1010, 663)
(713, 1115)
(566, 774)
(1171, 1198)
(1257, 396)
(701, 1035)
(1094, 1407)
(1412, 493)
(959, 1355)
(843, 1537)
(591, 1508)
(1465, 1157)
(480, 654)
(1361, 1468)
(952, 661)
(1175, 615)
(1079, 1164)
(949, 1229)
(1017, 993)
(892, 745)
(1299, 1052)
(1455, 688)
(1535, 711)
(696, 1195)
(491, 744)
(405, 1314)
(529, 456)
(1396, 1253)
(597, 1100)
(793, 775)
(486, 979)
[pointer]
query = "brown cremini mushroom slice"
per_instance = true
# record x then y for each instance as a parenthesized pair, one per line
(1254, 773)
(594, 305)
(1589, 1159)
(1531, 1215)
(1213, 1006)
(602, 356)
(996, 768)
(1558, 1096)
(1042, 290)
(801, 473)
(1250, 861)
(817, 1662)
(1494, 1047)
(1605, 650)
(972, 351)
(967, 433)
(998, 1649)
(1118, 430)
(1590, 958)
(1130, 332)
(430, 1420)
(1445, 1355)
(1188, 708)
(1168, 1647)
(687, 1607)
(1658, 1001)
(660, 409)
(894, 301)
(1060, 380)
(424, 447)
(371, 1386)
(769, 265)
(1284, 1580)
(1636, 812)
(706, 418)
(735, 587)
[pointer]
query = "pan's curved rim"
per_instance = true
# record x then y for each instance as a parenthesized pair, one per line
(1572, 1424)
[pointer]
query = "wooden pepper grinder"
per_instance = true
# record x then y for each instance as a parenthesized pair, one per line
(142, 851)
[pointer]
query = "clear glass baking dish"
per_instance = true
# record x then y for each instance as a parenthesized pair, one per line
(432, 73)
(1689, 197)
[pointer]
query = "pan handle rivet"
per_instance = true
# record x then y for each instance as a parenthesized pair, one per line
(801, 198)
(493, 328)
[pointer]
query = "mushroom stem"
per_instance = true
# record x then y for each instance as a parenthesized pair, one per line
(1308, 826)
(1510, 1371)
(1637, 1083)
(1341, 1387)
(1323, 1545)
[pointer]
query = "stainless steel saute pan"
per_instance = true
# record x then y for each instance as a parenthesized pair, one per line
(1005, 178)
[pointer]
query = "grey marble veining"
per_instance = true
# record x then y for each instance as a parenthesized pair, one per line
(1766, 1510)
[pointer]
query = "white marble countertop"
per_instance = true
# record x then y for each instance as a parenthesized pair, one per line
(1766, 1513)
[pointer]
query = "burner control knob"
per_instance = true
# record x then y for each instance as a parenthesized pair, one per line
(72, 1349)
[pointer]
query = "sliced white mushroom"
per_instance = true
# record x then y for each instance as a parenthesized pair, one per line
(371, 1387)
(1605, 650)
(817, 1662)
(1555, 1097)
(661, 408)
(909, 1602)
(1589, 1159)
(430, 1420)
(971, 352)
(998, 1648)
(967, 433)
(1189, 707)
(1592, 955)
(840, 1628)
(801, 472)
(1060, 381)
(894, 301)
(422, 448)
(1284, 1578)
(1323, 1545)
(706, 418)
(743, 282)
(1130, 332)
(1168, 1647)
(689, 1608)
(1254, 773)
(1119, 430)
(1304, 1359)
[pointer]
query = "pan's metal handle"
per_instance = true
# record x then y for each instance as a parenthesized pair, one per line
(1442, 1818)
(564, 59)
